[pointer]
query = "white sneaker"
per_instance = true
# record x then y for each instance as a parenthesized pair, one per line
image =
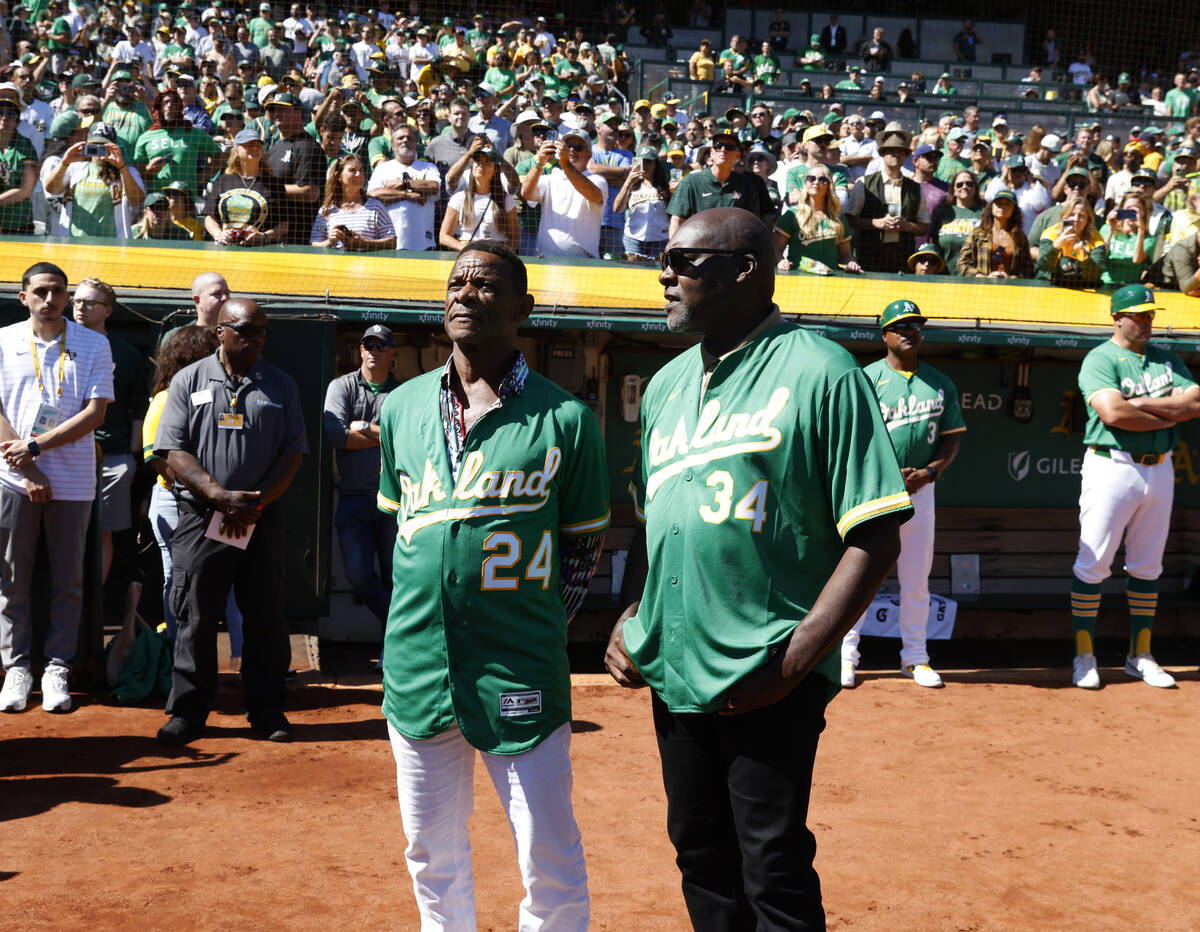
(1084, 673)
(56, 692)
(1144, 667)
(18, 683)
(847, 675)
(924, 675)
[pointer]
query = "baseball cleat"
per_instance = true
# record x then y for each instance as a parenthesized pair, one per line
(924, 675)
(1084, 673)
(1144, 667)
(847, 675)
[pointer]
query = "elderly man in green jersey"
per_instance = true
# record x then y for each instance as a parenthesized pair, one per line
(500, 487)
(772, 500)
(1136, 394)
(920, 409)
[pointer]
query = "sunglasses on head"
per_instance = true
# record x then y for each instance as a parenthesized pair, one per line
(676, 258)
(247, 331)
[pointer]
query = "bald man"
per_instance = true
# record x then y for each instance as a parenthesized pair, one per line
(233, 433)
(209, 292)
(772, 503)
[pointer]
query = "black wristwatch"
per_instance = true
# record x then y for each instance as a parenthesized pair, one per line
(34, 449)
(933, 473)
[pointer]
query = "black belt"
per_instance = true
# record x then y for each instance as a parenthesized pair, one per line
(1146, 459)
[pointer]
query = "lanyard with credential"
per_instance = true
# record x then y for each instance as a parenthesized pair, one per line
(62, 358)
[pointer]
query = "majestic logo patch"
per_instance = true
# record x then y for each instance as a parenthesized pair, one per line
(514, 705)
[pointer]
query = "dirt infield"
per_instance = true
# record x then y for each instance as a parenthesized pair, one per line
(1006, 801)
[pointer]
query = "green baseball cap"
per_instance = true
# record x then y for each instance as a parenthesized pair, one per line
(927, 251)
(647, 152)
(1006, 194)
(122, 75)
(899, 310)
(1133, 299)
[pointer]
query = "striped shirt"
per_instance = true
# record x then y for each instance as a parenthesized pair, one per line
(87, 374)
(370, 221)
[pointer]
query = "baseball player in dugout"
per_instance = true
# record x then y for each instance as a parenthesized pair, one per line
(772, 503)
(921, 412)
(499, 482)
(1136, 393)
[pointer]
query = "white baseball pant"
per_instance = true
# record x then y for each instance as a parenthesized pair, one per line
(1120, 497)
(435, 781)
(912, 569)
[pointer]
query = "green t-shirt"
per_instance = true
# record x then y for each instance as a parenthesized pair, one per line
(478, 39)
(949, 166)
(1180, 102)
(767, 68)
(128, 125)
(185, 148)
(502, 79)
(570, 72)
(175, 51)
(951, 227)
(15, 218)
(61, 27)
(822, 245)
(94, 203)
(1119, 267)
(1155, 375)
(918, 409)
(477, 629)
(848, 85)
(747, 495)
(259, 29)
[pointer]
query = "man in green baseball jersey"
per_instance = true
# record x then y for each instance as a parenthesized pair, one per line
(772, 500)
(499, 483)
(924, 422)
(1136, 395)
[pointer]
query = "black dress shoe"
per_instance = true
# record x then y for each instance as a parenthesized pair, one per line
(273, 726)
(178, 731)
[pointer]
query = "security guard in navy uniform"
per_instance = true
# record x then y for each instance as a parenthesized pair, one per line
(233, 434)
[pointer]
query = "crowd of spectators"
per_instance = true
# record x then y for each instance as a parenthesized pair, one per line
(375, 130)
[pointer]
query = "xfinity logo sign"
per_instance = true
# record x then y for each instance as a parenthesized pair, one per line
(1021, 463)
(1018, 465)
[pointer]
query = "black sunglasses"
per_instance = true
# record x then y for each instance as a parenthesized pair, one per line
(247, 331)
(373, 346)
(676, 258)
(914, 326)
(726, 146)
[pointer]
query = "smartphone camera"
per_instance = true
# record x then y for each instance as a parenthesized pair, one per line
(94, 150)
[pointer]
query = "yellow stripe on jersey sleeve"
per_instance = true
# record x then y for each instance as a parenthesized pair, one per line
(1107, 388)
(638, 511)
(954, 430)
(872, 509)
(383, 503)
(588, 527)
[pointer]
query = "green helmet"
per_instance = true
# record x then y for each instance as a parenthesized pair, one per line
(1133, 299)
(899, 310)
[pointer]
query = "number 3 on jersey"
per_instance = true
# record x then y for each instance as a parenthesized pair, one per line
(505, 550)
(752, 507)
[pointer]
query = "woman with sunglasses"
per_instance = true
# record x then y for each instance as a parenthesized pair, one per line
(1129, 246)
(1032, 196)
(1071, 252)
(997, 248)
(643, 199)
(814, 229)
(957, 218)
(483, 210)
(348, 219)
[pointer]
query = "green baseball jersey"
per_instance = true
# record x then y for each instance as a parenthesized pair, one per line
(1109, 368)
(949, 166)
(747, 492)
(477, 629)
(15, 218)
(739, 60)
(918, 409)
(128, 124)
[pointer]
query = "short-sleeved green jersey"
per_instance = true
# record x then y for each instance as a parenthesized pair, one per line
(15, 218)
(822, 245)
(747, 494)
(184, 148)
(918, 409)
(477, 629)
(1155, 375)
(794, 180)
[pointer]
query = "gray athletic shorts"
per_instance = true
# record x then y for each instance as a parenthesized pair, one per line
(117, 511)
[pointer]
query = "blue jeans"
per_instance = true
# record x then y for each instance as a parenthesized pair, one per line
(367, 537)
(164, 516)
(647, 249)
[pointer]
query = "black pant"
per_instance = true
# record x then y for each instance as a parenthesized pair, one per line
(737, 806)
(204, 571)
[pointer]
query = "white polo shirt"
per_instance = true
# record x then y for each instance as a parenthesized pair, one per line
(413, 222)
(570, 222)
(87, 374)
